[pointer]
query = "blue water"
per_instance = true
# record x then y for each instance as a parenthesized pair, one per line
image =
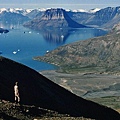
(22, 44)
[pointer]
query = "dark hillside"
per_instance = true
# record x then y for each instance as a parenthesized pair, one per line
(37, 90)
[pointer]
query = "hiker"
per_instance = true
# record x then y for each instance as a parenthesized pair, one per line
(16, 91)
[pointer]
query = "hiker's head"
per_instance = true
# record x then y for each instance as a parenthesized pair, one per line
(16, 83)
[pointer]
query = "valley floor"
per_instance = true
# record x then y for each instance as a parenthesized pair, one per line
(101, 88)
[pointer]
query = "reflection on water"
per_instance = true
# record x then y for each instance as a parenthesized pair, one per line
(64, 36)
(5, 24)
(56, 36)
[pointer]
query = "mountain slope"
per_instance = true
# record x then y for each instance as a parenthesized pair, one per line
(53, 18)
(105, 18)
(37, 90)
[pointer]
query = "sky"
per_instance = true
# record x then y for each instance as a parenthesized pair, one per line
(66, 4)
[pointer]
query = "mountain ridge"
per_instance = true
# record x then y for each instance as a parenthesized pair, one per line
(100, 18)
(26, 11)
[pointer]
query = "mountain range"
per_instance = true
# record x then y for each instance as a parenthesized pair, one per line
(104, 18)
(37, 90)
(27, 11)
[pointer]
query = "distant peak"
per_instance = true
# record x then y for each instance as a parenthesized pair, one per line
(53, 14)
(80, 10)
(94, 10)
(2, 10)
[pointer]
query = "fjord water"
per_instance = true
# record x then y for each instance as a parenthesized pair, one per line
(22, 44)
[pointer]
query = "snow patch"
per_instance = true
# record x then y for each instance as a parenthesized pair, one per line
(94, 10)
(80, 10)
(2, 10)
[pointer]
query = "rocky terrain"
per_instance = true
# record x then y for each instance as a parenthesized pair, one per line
(12, 111)
(37, 90)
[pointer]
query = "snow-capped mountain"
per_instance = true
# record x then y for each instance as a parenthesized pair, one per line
(83, 10)
(79, 10)
(27, 11)
(2, 10)
(94, 10)
(20, 10)
(105, 17)
(14, 15)
(95, 17)
(16, 10)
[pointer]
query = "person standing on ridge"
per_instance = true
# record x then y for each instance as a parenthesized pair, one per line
(16, 91)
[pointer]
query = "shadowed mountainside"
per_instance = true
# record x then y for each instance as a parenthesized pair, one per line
(37, 90)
